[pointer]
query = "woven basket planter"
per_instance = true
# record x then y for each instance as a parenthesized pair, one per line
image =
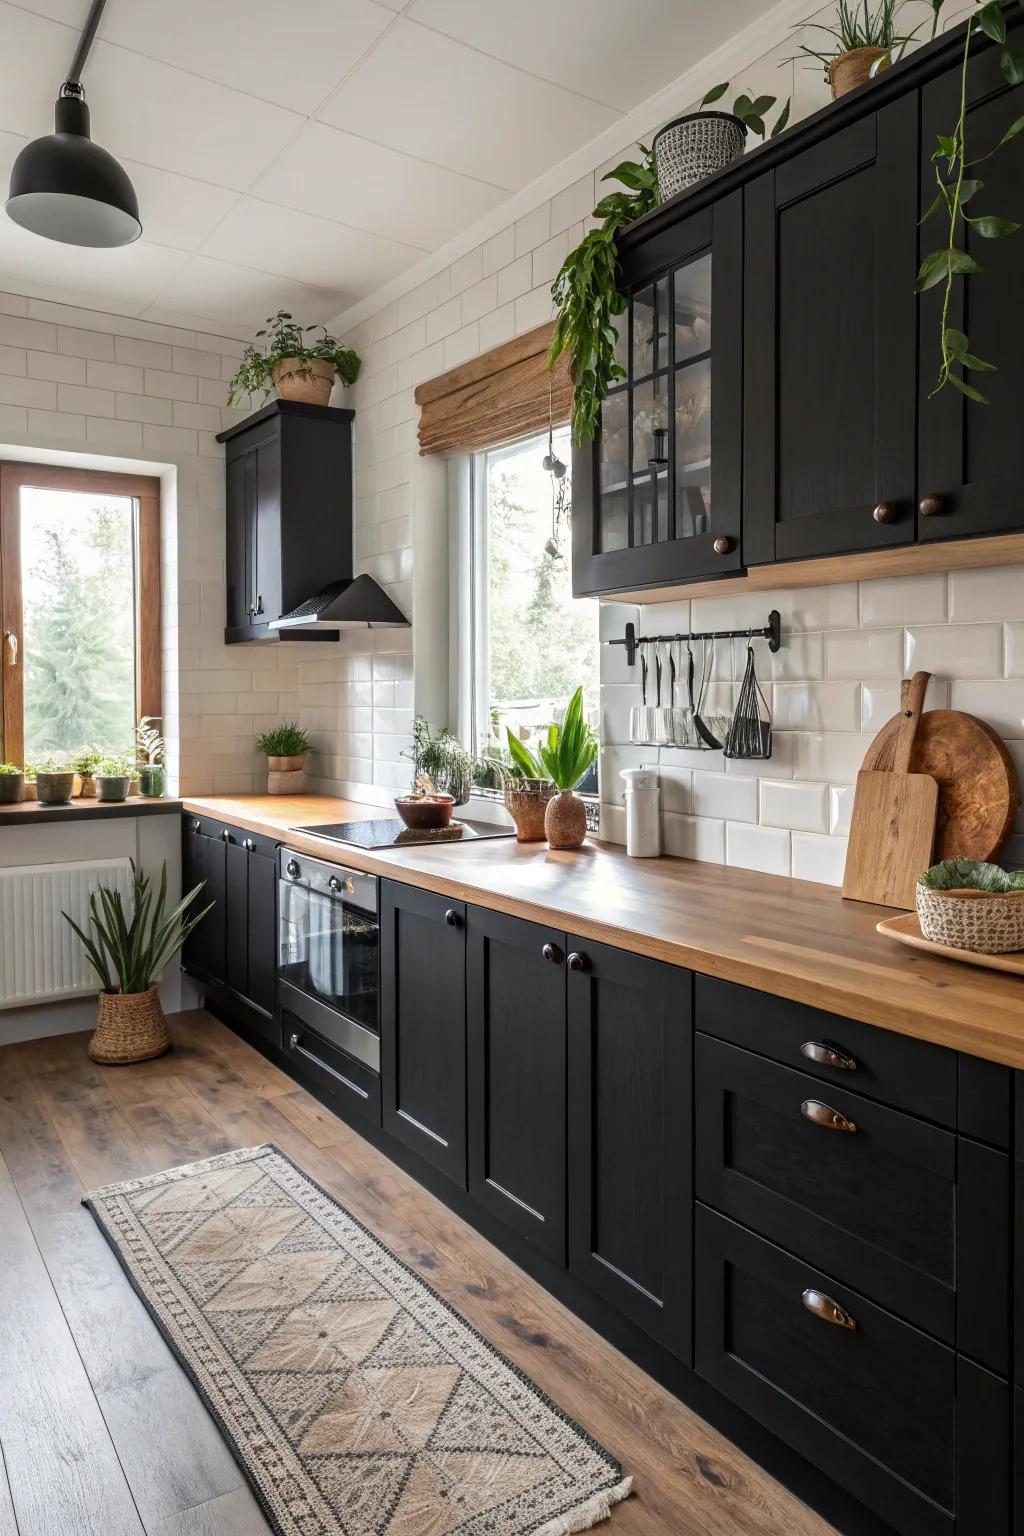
(526, 806)
(131, 1027)
(988, 922)
(851, 69)
(692, 147)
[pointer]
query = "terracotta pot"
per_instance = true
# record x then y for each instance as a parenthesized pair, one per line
(527, 808)
(565, 820)
(851, 69)
(425, 815)
(88, 783)
(312, 385)
(131, 1027)
(293, 764)
(29, 791)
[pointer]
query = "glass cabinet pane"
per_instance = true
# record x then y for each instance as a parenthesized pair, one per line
(692, 308)
(650, 329)
(615, 442)
(693, 449)
(650, 461)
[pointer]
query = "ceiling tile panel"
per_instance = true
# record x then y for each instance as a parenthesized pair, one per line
(340, 176)
(34, 57)
(132, 274)
(221, 291)
(432, 97)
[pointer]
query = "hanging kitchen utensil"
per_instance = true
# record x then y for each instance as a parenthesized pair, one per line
(750, 731)
(710, 742)
(892, 831)
(641, 724)
(663, 730)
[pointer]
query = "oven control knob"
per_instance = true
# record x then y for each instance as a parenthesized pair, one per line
(334, 884)
(292, 870)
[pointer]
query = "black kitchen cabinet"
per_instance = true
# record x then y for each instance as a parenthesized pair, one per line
(204, 861)
(423, 1024)
(631, 1138)
(657, 497)
(289, 513)
(830, 332)
(516, 1058)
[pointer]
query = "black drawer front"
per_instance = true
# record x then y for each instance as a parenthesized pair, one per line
(334, 1076)
(875, 1204)
(909, 1074)
(875, 1406)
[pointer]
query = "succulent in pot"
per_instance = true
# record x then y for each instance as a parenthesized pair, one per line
(150, 749)
(113, 778)
(55, 782)
(296, 362)
(968, 904)
(566, 757)
(12, 784)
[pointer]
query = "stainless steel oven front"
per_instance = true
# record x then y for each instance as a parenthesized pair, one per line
(328, 962)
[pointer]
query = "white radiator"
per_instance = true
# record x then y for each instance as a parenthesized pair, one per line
(41, 956)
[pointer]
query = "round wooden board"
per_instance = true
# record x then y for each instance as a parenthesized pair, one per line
(978, 796)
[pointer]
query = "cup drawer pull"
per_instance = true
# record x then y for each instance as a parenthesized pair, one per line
(828, 1310)
(823, 1114)
(827, 1055)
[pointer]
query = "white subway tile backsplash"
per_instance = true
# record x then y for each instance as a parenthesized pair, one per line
(1013, 664)
(676, 787)
(800, 659)
(992, 592)
(1000, 704)
(817, 706)
(693, 837)
(817, 858)
(833, 756)
(792, 803)
(903, 600)
(762, 848)
(722, 795)
(860, 653)
(955, 650)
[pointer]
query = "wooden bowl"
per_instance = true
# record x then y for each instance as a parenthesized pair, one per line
(423, 815)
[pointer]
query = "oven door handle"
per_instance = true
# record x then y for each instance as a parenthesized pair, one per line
(295, 1044)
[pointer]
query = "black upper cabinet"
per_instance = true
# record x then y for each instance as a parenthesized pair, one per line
(830, 344)
(289, 513)
(657, 497)
(969, 454)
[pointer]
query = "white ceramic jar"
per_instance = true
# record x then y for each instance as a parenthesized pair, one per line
(643, 812)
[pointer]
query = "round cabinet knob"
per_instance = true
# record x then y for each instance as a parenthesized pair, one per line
(334, 884)
(724, 546)
(553, 953)
(576, 962)
(248, 844)
(291, 869)
(885, 512)
(451, 917)
(226, 835)
(931, 506)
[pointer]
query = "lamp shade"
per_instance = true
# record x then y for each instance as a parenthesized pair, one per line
(67, 188)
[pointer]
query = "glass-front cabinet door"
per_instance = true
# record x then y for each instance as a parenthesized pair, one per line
(656, 498)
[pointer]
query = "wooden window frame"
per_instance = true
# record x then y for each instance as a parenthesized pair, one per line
(145, 492)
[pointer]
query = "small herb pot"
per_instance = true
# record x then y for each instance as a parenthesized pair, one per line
(692, 147)
(293, 764)
(112, 786)
(310, 381)
(54, 788)
(152, 778)
(88, 789)
(565, 820)
(12, 788)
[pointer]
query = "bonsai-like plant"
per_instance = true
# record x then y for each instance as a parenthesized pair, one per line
(442, 759)
(956, 188)
(149, 744)
(570, 748)
(284, 338)
(287, 740)
(971, 875)
(129, 954)
(859, 26)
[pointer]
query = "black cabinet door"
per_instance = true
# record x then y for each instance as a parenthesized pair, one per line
(267, 533)
(515, 1004)
(203, 860)
(236, 948)
(830, 344)
(423, 1024)
(631, 1136)
(261, 923)
(240, 476)
(969, 465)
(656, 498)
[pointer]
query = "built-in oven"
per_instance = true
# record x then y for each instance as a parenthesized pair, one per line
(328, 965)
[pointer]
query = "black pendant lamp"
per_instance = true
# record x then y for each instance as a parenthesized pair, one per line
(64, 186)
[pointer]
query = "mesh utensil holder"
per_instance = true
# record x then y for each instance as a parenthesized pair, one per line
(750, 733)
(692, 147)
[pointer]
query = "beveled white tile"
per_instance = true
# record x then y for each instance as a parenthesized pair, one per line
(693, 837)
(955, 650)
(616, 703)
(818, 858)
(1014, 641)
(999, 704)
(721, 795)
(881, 700)
(993, 592)
(613, 823)
(614, 757)
(861, 653)
(832, 756)
(832, 706)
(840, 808)
(676, 788)
(801, 658)
(794, 804)
(779, 765)
(612, 619)
(903, 600)
(763, 848)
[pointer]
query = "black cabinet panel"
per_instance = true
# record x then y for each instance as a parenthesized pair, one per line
(235, 946)
(423, 1024)
(335, 1077)
(236, 962)
(204, 860)
(630, 1140)
(262, 925)
(515, 999)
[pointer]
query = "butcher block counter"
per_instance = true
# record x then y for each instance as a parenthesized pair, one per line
(790, 937)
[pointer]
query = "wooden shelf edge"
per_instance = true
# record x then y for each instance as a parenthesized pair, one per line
(912, 560)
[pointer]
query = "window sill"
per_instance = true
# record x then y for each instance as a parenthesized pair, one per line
(32, 811)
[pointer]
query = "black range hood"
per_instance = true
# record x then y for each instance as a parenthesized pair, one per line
(356, 603)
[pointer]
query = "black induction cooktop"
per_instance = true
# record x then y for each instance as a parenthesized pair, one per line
(390, 832)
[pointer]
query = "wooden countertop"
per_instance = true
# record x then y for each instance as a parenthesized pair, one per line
(789, 937)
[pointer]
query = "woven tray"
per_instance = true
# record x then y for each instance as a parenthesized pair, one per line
(906, 929)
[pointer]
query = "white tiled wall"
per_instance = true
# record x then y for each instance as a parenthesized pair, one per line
(831, 687)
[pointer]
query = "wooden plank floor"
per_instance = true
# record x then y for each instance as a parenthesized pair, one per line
(101, 1434)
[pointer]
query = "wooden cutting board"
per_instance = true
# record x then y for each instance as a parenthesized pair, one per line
(892, 830)
(907, 930)
(978, 793)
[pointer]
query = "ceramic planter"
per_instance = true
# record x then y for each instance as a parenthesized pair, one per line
(692, 147)
(12, 788)
(526, 802)
(565, 820)
(131, 1027)
(988, 922)
(54, 788)
(851, 69)
(112, 786)
(312, 385)
(285, 774)
(152, 778)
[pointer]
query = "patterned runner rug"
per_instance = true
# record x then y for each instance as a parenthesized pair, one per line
(356, 1402)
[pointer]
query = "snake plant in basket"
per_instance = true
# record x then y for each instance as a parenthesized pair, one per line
(128, 954)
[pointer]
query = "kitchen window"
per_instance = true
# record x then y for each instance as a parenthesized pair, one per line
(521, 641)
(79, 609)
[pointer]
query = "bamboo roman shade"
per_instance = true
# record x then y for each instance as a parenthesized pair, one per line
(499, 396)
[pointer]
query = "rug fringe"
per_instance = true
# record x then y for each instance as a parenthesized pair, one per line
(588, 1514)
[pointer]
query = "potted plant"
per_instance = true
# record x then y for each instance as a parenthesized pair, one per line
(113, 778)
(55, 782)
(700, 143)
(84, 765)
(285, 747)
(29, 791)
(527, 790)
(442, 759)
(128, 954)
(12, 784)
(863, 41)
(290, 359)
(967, 904)
(566, 757)
(150, 749)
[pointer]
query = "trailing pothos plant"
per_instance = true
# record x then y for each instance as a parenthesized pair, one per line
(957, 188)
